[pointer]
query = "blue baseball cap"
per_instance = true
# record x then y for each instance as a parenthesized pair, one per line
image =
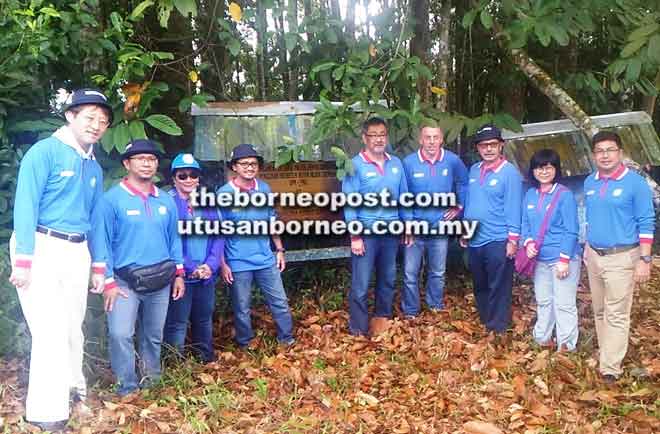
(141, 146)
(244, 150)
(89, 96)
(487, 132)
(184, 161)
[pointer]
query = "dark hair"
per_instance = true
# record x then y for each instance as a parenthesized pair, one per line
(602, 136)
(77, 109)
(372, 122)
(542, 158)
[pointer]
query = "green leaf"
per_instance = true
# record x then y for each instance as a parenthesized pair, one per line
(50, 12)
(234, 46)
(615, 86)
(644, 31)
(654, 49)
(164, 10)
(136, 130)
(184, 104)
(338, 73)
(165, 124)
(115, 19)
(633, 47)
(139, 10)
(468, 18)
(338, 153)
(290, 41)
(284, 156)
(633, 69)
(505, 120)
(341, 174)
(323, 67)
(107, 141)
(486, 19)
(542, 33)
(121, 137)
(186, 7)
(163, 55)
(559, 34)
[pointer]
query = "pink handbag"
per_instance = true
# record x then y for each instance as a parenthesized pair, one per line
(523, 264)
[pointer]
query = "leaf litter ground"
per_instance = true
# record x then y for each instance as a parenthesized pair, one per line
(438, 373)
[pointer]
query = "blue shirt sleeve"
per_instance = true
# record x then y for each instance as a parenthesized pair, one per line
(216, 250)
(106, 218)
(526, 227)
(32, 178)
(568, 209)
(350, 184)
(513, 199)
(643, 210)
(97, 247)
(460, 180)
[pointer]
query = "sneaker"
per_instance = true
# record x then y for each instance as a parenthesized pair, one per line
(609, 378)
(53, 427)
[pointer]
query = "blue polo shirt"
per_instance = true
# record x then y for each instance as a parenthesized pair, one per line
(369, 177)
(58, 186)
(560, 242)
(494, 198)
(619, 209)
(248, 252)
(140, 229)
(446, 174)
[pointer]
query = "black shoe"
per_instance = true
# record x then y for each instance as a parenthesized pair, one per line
(57, 426)
(609, 379)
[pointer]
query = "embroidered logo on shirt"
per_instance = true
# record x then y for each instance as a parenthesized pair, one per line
(472, 180)
(445, 172)
(418, 175)
(92, 181)
(132, 212)
(66, 173)
(530, 206)
(395, 170)
(617, 192)
(493, 182)
(590, 192)
(162, 210)
(370, 174)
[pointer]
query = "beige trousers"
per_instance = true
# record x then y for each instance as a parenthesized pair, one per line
(54, 307)
(612, 286)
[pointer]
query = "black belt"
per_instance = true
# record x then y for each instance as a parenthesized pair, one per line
(74, 238)
(615, 249)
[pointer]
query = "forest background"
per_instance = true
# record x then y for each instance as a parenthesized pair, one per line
(460, 62)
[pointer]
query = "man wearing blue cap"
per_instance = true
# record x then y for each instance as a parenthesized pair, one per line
(201, 261)
(494, 197)
(59, 184)
(250, 258)
(144, 264)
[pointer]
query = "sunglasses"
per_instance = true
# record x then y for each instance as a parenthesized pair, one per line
(183, 176)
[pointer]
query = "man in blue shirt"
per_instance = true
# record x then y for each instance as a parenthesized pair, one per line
(620, 229)
(250, 258)
(430, 169)
(494, 198)
(375, 171)
(59, 184)
(140, 226)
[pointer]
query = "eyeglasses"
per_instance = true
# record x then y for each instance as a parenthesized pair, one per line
(546, 168)
(183, 176)
(103, 121)
(247, 164)
(486, 145)
(145, 160)
(606, 151)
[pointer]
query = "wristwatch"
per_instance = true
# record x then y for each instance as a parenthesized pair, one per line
(646, 258)
(282, 250)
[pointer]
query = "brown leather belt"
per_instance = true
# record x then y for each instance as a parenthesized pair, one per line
(615, 249)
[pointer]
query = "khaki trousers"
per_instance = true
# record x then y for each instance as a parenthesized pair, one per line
(612, 285)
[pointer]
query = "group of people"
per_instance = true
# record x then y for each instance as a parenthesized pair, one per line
(149, 275)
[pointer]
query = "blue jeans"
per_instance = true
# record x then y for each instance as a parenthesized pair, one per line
(150, 309)
(269, 281)
(556, 307)
(492, 277)
(436, 260)
(380, 253)
(197, 306)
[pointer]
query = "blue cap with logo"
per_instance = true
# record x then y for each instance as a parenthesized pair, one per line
(89, 96)
(141, 146)
(487, 132)
(184, 161)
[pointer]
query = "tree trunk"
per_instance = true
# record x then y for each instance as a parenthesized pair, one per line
(261, 52)
(444, 53)
(281, 45)
(419, 44)
(292, 19)
(350, 24)
(648, 102)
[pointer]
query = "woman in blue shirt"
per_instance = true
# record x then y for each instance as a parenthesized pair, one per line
(202, 257)
(558, 266)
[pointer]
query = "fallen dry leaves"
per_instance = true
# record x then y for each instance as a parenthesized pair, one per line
(438, 373)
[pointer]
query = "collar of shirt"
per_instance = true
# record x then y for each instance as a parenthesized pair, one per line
(238, 188)
(131, 189)
(379, 168)
(494, 167)
(423, 158)
(619, 173)
(64, 135)
(542, 194)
